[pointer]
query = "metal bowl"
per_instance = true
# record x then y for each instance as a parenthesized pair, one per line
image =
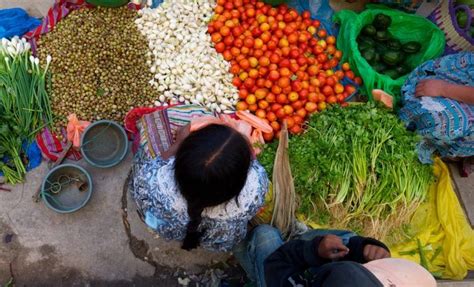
(104, 144)
(66, 188)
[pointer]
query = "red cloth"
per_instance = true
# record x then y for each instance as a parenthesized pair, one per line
(51, 147)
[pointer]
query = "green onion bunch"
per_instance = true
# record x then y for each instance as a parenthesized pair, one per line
(357, 168)
(24, 104)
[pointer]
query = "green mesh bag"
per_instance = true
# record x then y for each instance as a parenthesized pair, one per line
(405, 27)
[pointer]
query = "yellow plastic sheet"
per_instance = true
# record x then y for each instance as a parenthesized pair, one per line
(441, 230)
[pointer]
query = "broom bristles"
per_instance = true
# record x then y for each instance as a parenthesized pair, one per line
(284, 195)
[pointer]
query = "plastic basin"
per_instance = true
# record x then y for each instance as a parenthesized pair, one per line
(66, 188)
(104, 144)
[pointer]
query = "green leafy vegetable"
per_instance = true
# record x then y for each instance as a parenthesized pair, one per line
(24, 104)
(356, 168)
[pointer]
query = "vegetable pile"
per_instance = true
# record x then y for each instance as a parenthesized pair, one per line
(24, 104)
(99, 68)
(282, 61)
(356, 168)
(185, 66)
(380, 49)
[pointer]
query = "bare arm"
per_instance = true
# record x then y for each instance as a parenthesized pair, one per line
(180, 136)
(436, 88)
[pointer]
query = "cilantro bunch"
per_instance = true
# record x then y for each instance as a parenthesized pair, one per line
(356, 168)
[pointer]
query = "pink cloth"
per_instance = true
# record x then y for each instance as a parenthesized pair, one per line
(400, 273)
(75, 128)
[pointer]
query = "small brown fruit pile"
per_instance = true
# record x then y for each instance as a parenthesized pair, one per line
(99, 68)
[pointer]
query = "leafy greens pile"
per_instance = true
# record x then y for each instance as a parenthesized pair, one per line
(24, 104)
(356, 168)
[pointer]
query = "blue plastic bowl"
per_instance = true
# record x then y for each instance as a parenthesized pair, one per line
(66, 188)
(104, 144)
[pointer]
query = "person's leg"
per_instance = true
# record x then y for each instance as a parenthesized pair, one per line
(262, 241)
(344, 234)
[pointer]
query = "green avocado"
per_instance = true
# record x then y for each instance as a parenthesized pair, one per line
(412, 47)
(382, 22)
(369, 54)
(382, 36)
(394, 44)
(369, 30)
(392, 57)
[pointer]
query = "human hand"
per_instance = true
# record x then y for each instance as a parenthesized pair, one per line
(431, 88)
(331, 247)
(183, 133)
(374, 252)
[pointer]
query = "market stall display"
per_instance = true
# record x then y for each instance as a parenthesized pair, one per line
(356, 168)
(185, 66)
(284, 64)
(24, 104)
(99, 68)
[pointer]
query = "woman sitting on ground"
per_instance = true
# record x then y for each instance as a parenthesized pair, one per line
(438, 102)
(203, 190)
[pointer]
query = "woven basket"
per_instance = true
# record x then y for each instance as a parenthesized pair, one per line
(457, 39)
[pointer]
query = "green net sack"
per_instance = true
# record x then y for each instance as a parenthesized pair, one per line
(405, 27)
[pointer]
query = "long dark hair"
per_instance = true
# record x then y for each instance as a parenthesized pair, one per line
(211, 168)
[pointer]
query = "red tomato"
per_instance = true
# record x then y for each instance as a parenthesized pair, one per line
(284, 63)
(332, 100)
(229, 40)
(237, 82)
(220, 47)
(327, 91)
(273, 75)
(322, 33)
(296, 129)
(238, 43)
(281, 99)
(301, 61)
(270, 98)
(322, 58)
(275, 107)
(294, 53)
(274, 58)
(284, 82)
(249, 83)
(276, 89)
(296, 86)
(310, 107)
(249, 42)
(264, 61)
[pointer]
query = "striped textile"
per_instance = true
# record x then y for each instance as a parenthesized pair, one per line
(157, 130)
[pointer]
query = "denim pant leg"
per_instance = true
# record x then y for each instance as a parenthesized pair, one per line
(343, 234)
(252, 252)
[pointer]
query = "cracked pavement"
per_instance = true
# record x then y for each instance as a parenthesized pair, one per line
(103, 244)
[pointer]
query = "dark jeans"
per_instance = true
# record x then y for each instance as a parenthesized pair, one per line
(263, 240)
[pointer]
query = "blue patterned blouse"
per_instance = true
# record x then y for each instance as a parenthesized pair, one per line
(154, 188)
(446, 125)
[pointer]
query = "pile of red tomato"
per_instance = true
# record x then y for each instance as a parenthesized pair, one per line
(283, 62)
